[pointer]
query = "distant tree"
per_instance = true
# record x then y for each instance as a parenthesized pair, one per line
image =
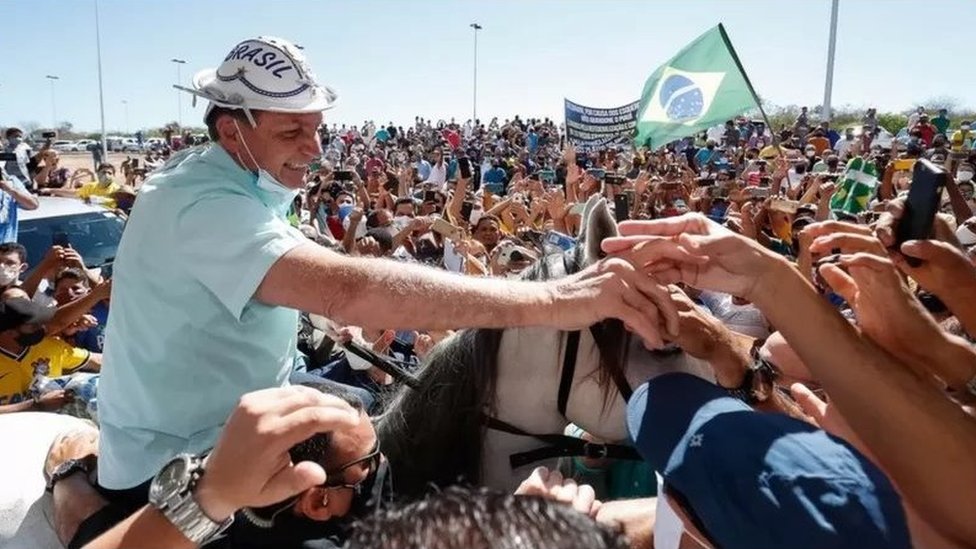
(933, 104)
(30, 126)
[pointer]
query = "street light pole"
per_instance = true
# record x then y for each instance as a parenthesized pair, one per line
(125, 105)
(831, 47)
(54, 108)
(101, 95)
(179, 95)
(474, 102)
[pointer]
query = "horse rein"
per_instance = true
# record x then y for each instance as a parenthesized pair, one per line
(560, 445)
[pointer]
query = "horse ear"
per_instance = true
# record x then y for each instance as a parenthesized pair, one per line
(597, 223)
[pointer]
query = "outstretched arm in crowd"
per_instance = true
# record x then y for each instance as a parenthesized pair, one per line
(21, 195)
(70, 313)
(388, 294)
(899, 417)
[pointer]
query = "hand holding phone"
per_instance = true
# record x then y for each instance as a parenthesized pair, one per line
(922, 204)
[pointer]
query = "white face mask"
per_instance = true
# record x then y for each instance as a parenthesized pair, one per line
(964, 176)
(8, 275)
(282, 195)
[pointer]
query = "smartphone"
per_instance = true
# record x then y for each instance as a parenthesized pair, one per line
(621, 207)
(922, 204)
(597, 173)
(49, 135)
(614, 179)
(464, 165)
(8, 157)
(705, 181)
(60, 238)
(466, 208)
(445, 229)
(343, 175)
(783, 205)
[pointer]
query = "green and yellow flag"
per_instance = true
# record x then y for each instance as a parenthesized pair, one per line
(700, 87)
(856, 189)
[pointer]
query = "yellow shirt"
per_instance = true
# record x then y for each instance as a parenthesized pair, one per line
(88, 190)
(51, 357)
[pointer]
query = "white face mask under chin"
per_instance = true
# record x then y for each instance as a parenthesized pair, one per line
(964, 176)
(266, 181)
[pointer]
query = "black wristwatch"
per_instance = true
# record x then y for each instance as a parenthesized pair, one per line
(758, 382)
(85, 465)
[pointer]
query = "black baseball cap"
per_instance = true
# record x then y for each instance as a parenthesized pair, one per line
(16, 311)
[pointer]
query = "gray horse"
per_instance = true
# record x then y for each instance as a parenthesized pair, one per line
(436, 434)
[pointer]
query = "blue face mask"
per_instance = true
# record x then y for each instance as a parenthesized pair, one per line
(278, 196)
(14, 141)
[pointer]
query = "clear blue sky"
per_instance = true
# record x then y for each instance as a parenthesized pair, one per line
(392, 60)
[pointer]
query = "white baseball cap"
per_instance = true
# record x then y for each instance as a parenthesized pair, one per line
(266, 74)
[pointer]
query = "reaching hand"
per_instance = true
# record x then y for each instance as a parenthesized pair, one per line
(52, 401)
(263, 426)
(886, 310)
(944, 270)
(724, 261)
(614, 288)
(552, 486)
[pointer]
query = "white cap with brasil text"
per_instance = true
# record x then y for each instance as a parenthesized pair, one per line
(265, 74)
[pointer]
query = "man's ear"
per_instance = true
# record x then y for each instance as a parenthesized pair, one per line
(313, 504)
(228, 133)
(23, 267)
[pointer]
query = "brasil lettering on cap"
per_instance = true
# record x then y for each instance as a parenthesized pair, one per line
(260, 55)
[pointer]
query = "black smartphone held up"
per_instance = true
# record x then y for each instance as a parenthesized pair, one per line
(60, 238)
(621, 207)
(464, 165)
(466, 208)
(922, 204)
(430, 196)
(49, 135)
(343, 175)
(8, 157)
(614, 179)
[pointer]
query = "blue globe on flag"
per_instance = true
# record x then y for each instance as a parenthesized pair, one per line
(681, 98)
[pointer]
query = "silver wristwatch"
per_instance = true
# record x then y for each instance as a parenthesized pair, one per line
(171, 492)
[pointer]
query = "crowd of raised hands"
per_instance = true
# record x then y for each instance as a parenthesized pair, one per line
(897, 377)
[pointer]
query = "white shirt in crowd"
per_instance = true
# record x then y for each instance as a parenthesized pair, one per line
(438, 173)
(843, 146)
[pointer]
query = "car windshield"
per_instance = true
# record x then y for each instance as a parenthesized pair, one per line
(95, 235)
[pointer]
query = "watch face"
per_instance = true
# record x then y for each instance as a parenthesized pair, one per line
(171, 479)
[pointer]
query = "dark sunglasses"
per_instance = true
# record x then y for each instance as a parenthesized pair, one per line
(372, 459)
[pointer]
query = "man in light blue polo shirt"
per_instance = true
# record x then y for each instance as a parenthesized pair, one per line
(209, 279)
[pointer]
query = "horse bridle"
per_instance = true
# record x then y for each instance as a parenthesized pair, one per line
(560, 445)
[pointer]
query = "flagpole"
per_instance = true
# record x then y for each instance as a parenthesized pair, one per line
(745, 76)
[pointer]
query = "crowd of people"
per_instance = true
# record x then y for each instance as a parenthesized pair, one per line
(861, 342)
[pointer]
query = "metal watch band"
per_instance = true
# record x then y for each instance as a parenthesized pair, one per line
(183, 511)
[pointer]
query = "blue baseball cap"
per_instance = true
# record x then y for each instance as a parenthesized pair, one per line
(756, 480)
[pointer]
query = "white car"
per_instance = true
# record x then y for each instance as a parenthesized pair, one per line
(91, 230)
(82, 144)
(63, 146)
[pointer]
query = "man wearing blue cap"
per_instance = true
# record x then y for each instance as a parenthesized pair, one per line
(753, 480)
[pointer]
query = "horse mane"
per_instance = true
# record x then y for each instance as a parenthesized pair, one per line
(433, 434)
